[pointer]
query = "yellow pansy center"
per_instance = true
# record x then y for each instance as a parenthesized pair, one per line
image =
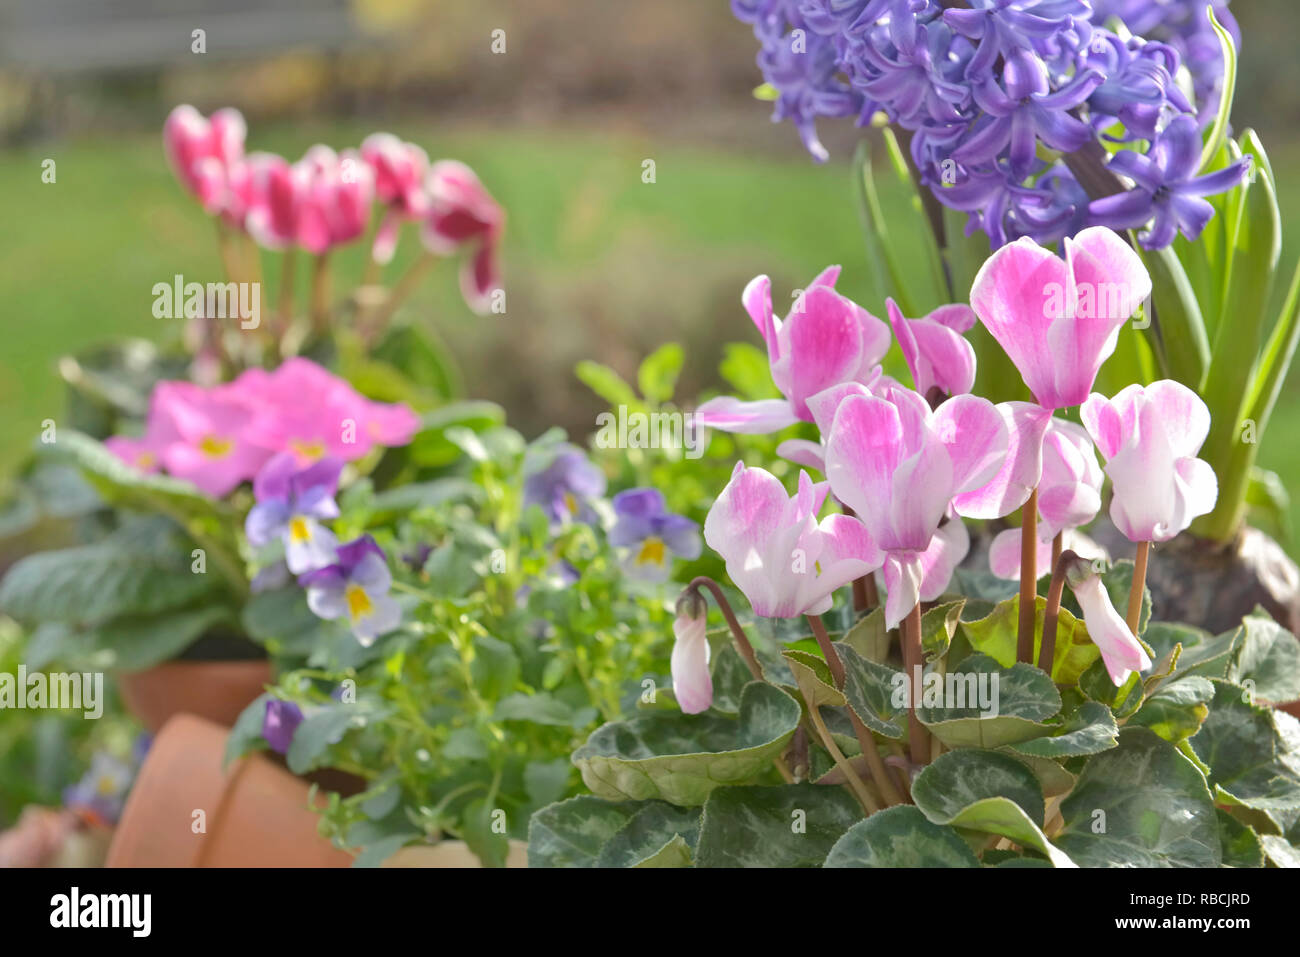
(571, 503)
(652, 552)
(146, 460)
(299, 529)
(358, 602)
(106, 786)
(215, 447)
(308, 450)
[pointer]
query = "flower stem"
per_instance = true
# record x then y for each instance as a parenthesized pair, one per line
(320, 293)
(742, 640)
(912, 657)
(828, 650)
(1058, 545)
(869, 803)
(401, 292)
(1028, 579)
(284, 310)
(1139, 584)
(1053, 612)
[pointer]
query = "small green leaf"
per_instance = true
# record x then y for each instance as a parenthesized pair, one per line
(657, 377)
(606, 383)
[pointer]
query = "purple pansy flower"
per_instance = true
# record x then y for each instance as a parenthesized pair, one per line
(1168, 193)
(101, 792)
(355, 586)
(279, 724)
(565, 487)
(290, 503)
(651, 534)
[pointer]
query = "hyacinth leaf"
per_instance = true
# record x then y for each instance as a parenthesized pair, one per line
(875, 231)
(1185, 343)
(939, 289)
(1141, 804)
(1239, 845)
(572, 833)
(813, 676)
(657, 835)
(1268, 660)
(1246, 756)
(958, 779)
(1256, 246)
(901, 837)
(869, 688)
(682, 758)
(1089, 730)
(995, 636)
(793, 825)
(1017, 709)
(1219, 130)
(1269, 502)
(1275, 362)
(1176, 710)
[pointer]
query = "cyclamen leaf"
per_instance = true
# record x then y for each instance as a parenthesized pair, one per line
(1088, 730)
(1269, 658)
(682, 758)
(657, 835)
(869, 688)
(995, 636)
(1025, 698)
(1141, 804)
(901, 837)
(1240, 744)
(573, 832)
(794, 825)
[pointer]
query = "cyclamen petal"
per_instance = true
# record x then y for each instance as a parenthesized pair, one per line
(1021, 469)
(750, 418)
(1149, 437)
(1122, 653)
(936, 354)
(692, 683)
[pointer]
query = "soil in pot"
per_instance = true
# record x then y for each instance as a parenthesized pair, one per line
(214, 678)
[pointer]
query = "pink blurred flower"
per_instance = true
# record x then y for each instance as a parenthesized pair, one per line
(275, 200)
(1058, 319)
(211, 448)
(827, 339)
(1121, 652)
(899, 465)
(205, 154)
(1149, 438)
(400, 170)
(462, 213)
(337, 192)
(937, 354)
(777, 553)
(304, 409)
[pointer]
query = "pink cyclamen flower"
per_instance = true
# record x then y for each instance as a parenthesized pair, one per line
(462, 213)
(400, 170)
(777, 553)
(692, 683)
(1121, 652)
(937, 354)
(1004, 551)
(205, 153)
(274, 200)
(211, 447)
(304, 409)
(337, 192)
(899, 465)
(1149, 438)
(1058, 319)
(827, 339)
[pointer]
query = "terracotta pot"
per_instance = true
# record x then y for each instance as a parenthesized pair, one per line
(256, 814)
(215, 690)
(452, 854)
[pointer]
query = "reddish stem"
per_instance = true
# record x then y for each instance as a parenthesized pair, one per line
(742, 640)
(1028, 579)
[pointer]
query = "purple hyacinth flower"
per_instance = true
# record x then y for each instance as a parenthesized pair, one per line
(101, 792)
(290, 504)
(356, 587)
(1025, 112)
(1004, 26)
(1139, 88)
(651, 534)
(1168, 193)
(279, 724)
(565, 486)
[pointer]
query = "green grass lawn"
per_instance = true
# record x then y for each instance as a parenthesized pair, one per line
(598, 263)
